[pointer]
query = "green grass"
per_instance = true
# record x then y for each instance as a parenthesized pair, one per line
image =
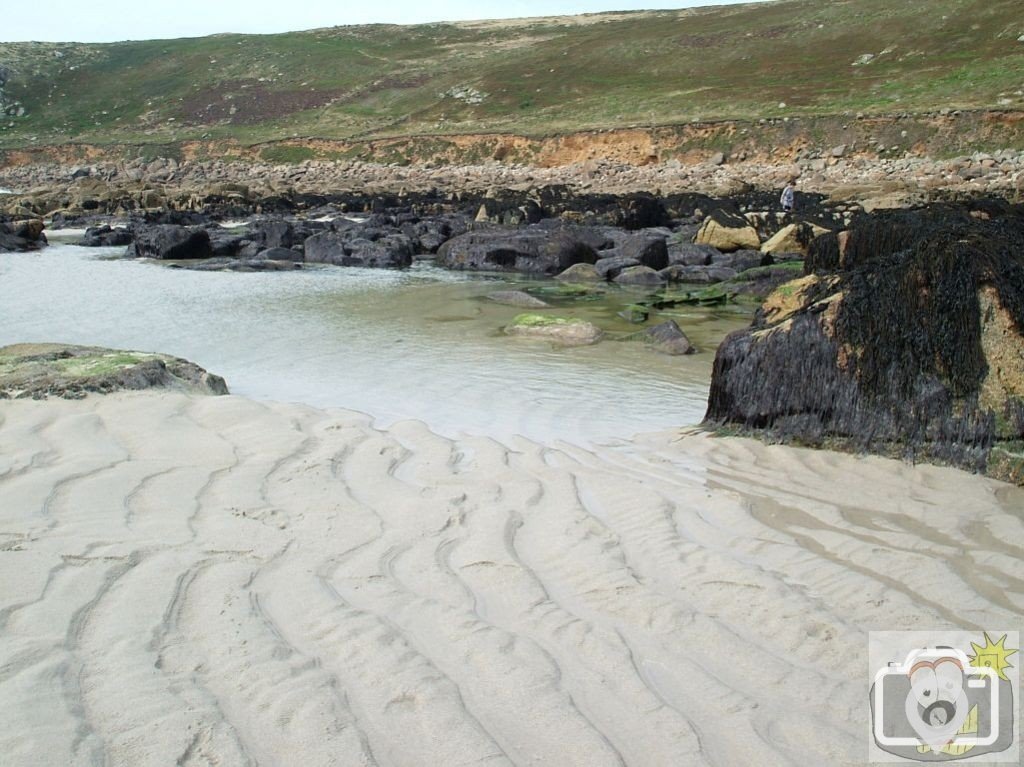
(542, 77)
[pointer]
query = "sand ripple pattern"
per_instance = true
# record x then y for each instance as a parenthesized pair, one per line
(216, 581)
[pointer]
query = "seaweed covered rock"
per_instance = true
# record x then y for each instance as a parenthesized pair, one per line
(38, 371)
(904, 338)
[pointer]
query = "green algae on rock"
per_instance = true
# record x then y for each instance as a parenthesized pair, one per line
(560, 330)
(38, 371)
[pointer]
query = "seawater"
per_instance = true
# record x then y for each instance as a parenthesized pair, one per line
(421, 344)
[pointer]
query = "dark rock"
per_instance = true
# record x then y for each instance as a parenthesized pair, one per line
(528, 250)
(280, 254)
(741, 260)
(639, 275)
(691, 254)
(392, 251)
(21, 235)
(698, 275)
(648, 250)
(906, 342)
(106, 236)
(223, 244)
(666, 337)
(642, 212)
(169, 242)
(610, 268)
(248, 249)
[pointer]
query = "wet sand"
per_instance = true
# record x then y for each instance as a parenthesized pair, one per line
(190, 580)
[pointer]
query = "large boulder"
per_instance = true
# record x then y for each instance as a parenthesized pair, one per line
(794, 238)
(646, 249)
(610, 267)
(169, 242)
(908, 342)
(528, 250)
(106, 236)
(727, 232)
(21, 235)
(391, 251)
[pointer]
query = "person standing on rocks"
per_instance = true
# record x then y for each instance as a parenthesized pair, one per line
(788, 198)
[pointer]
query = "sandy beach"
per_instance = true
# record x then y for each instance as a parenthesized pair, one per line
(214, 580)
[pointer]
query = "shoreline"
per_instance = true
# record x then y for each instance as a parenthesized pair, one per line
(171, 559)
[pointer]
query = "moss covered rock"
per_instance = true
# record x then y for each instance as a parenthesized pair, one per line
(559, 330)
(62, 370)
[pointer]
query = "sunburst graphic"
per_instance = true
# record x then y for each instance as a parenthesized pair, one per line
(993, 655)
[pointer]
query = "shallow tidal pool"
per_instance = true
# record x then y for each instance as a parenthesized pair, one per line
(421, 344)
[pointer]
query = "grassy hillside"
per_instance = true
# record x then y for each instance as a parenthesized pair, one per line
(539, 76)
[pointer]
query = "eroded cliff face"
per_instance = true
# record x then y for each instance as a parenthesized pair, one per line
(827, 139)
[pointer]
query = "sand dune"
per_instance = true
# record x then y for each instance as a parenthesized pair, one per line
(199, 581)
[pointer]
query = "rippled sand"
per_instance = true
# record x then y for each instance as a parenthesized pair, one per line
(219, 581)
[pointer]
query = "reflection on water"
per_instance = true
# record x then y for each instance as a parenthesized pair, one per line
(420, 344)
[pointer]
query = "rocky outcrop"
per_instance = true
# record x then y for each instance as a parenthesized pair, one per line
(528, 250)
(727, 232)
(21, 235)
(354, 248)
(106, 236)
(38, 371)
(169, 242)
(904, 338)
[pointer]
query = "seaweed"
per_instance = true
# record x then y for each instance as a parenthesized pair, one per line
(886, 355)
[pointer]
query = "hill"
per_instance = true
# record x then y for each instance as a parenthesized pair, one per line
(534, 77)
